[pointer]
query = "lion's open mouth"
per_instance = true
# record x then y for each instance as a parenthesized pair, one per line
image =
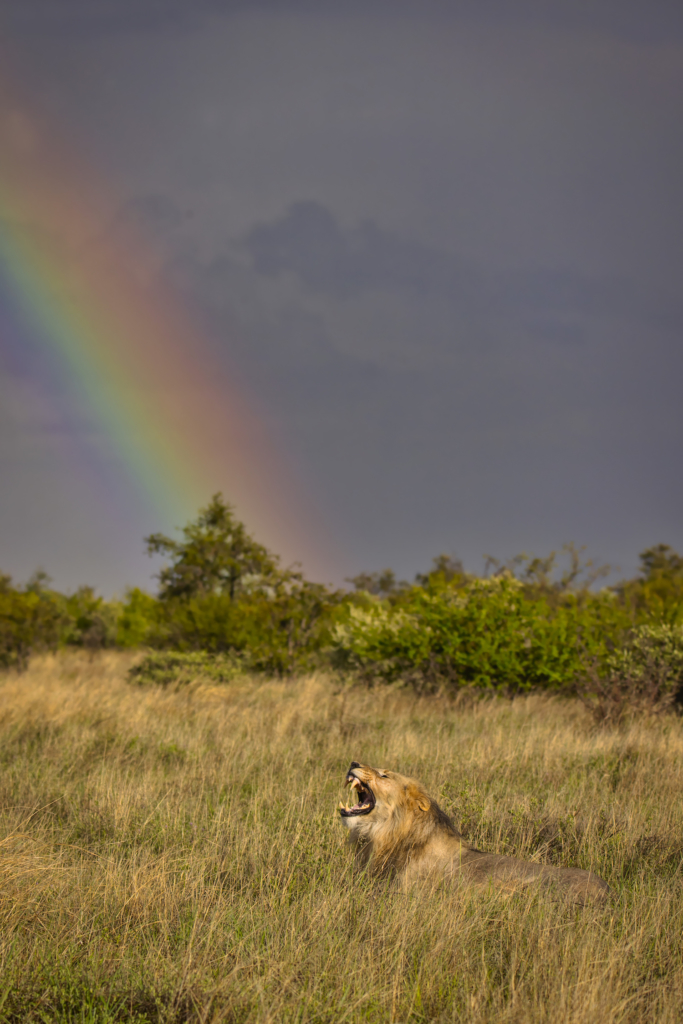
(366, 798)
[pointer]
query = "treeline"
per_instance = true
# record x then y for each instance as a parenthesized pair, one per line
(528, 623)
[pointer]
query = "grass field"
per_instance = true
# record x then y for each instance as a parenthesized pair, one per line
(176, 856)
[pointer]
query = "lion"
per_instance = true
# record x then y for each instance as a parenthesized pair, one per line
(399, 830)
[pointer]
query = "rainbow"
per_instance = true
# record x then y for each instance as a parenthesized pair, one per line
(182, 425)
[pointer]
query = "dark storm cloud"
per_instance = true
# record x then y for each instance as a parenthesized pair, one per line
(101, 16)
(498, 389)
(277, 339)
(635, 20)
(310, 243)
(441, 243)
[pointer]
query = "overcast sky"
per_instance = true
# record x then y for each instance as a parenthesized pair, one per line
(443, 243)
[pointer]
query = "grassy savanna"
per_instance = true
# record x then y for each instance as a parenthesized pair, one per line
(175, 854)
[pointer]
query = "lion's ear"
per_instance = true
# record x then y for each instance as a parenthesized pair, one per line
(423, 803)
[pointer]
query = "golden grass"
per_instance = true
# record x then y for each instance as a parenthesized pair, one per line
(176, 856)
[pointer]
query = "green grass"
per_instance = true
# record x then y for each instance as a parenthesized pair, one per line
(174, 854)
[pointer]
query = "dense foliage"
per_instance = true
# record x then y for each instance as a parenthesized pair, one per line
(530, 623)
(221, 592)
(486, 632)
(536, 623)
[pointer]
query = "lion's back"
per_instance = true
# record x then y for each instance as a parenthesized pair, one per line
(513, 874)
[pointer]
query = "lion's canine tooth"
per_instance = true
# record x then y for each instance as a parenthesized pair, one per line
(355, 783)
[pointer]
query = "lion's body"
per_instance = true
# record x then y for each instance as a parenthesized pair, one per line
(405, 833)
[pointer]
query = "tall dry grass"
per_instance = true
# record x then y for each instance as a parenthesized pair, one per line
(175, 856)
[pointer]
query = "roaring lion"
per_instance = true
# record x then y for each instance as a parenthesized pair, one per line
(398, 829)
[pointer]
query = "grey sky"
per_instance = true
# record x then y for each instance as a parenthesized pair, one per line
(443, 242)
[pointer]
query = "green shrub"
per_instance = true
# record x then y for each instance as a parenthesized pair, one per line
(651, 649)
(163, 668)
(536, 623)
(30, 621)
(645, 675)
(138, 619)
(657, 595)
(92, 621)
(485, 633)
(277, 633)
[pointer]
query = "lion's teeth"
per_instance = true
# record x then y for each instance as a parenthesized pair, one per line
(355, 783)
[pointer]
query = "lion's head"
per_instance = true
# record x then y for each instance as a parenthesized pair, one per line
(394, 817)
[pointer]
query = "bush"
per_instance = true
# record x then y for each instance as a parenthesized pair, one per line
(92, 621)
(35, 618)
(536, 623)
(164, 668)
(657, 595)
(645, 675)
(277, 633)
(649, 649)
(30, 621)
(483, 633)
(138, 619)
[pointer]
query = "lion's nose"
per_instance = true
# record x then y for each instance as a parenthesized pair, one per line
(355, 764)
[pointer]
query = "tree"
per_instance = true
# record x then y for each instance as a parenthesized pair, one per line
(544, 576)
(216, 556)
(661, 561)
(226, 594)
(381, 584)
(30, 620)
(656, 595)
(445, 569)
